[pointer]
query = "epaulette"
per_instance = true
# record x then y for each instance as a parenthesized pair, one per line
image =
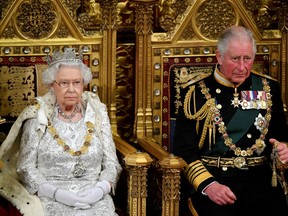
(195, 78)
(263, 75)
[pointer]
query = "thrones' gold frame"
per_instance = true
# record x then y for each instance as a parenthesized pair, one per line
(184, 36)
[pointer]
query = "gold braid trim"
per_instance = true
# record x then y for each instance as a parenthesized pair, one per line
(206, 111)
(196, 173)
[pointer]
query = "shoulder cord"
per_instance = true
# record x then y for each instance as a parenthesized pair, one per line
(206, 111)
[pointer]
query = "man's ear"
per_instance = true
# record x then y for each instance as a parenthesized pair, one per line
(219, 57)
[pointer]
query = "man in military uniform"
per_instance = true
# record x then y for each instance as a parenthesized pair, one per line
(232, 134)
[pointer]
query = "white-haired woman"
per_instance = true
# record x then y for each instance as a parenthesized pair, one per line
(67, 158)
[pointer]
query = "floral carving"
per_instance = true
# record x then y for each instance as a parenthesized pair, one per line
(36, 20)
(213, 17)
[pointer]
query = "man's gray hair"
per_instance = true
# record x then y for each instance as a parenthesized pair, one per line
(235, 32)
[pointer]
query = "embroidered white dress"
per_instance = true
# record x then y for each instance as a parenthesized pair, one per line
(44, 160)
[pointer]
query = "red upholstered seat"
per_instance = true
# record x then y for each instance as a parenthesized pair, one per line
(7, 209)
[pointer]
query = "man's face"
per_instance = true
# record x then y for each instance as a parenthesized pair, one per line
(237, 61)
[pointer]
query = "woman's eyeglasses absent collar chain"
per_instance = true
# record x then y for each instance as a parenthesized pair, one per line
(66, 84)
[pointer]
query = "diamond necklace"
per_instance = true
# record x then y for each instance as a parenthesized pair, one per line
(65, 116)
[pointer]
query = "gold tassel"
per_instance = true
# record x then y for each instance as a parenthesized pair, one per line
(274, 174)
(214, 133)
(210, 127)
(274, 179)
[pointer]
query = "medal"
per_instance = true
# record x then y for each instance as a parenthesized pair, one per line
(260, 122)
(235, 101)
(79, 170)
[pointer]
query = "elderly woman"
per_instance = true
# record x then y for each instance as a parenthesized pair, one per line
(67, 157)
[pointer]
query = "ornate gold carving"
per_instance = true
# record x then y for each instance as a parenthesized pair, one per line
(124, 96)
(188, 33)
(252, 5)
(109, 14)
(72, 7)
(214, 16)
(16, 89)
(4, 6)
(263, 19)
(168, 15)
(9, 33)
(137, 165)
(36, 20)
(63, 32)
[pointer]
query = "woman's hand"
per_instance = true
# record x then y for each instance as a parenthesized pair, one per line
(66, 197)
(96, 193)
(220, 194)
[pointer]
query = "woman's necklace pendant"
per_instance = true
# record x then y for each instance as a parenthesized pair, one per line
(79, 170)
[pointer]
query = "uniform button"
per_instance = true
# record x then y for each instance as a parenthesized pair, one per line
(249, 135)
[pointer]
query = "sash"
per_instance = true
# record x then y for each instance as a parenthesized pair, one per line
(240, 122)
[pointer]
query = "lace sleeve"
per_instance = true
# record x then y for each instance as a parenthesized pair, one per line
(27, 161)
(111, 167)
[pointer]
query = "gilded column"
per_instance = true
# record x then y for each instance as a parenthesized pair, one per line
(143, 28)
(108, 73)
(137, 166)
(172, 167)
(284, 53)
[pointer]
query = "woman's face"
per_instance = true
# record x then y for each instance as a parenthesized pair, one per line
(68, 86)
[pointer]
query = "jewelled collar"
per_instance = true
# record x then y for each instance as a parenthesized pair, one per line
(259, 144)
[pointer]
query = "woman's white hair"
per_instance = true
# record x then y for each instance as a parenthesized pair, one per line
(49, 75)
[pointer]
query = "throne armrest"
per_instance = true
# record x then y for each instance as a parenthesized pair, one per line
(133, 178)
(171, 167)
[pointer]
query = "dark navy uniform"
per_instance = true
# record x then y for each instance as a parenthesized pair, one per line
(223, 134)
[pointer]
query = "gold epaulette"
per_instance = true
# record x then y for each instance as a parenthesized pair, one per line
(193, 79)
(263, 75)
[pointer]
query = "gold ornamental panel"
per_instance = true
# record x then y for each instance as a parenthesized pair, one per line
(212, 17)
(36, 19)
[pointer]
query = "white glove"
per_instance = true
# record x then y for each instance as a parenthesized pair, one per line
(66, 197)
(46, 190)
(92, 195)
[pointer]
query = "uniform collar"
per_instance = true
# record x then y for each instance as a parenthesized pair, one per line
(222, 80)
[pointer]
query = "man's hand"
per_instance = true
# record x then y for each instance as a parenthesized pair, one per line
(220, 194)
(282, 150)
